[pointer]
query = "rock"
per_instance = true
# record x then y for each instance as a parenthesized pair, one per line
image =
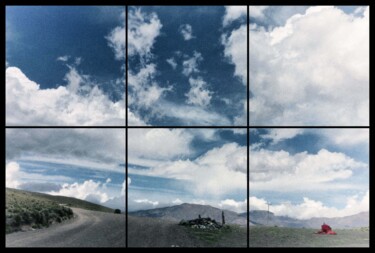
(201, 223)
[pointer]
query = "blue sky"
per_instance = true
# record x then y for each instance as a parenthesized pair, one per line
(307, 173)
(182, 66)
(65, 65)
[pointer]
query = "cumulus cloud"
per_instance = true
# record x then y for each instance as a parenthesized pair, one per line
(12, 171)
(233, 13)
(80, 102)
(217, 172)
(235, 49)
(116, 40)
(148, 145)
(309, 208)
(186, 31)
(317, 73)
(282, 171)
(142, 32)
(89, 190)
(233, 205)
(198, 94)
(191, 65)
(257, 11)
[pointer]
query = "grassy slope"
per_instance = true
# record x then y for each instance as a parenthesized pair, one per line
(71, 202)
(229, 236)
(38, 210)
(302, 237)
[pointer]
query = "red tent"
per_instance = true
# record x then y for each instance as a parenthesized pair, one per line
(326, 230)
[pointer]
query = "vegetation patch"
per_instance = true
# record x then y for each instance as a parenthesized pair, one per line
(24, 211)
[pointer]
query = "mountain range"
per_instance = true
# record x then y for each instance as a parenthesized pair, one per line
(257, 217)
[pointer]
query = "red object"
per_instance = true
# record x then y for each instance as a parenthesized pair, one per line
(326, 230)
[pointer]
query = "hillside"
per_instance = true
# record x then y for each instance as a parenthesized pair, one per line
(29, 210)
(69, 201)
(191, 211)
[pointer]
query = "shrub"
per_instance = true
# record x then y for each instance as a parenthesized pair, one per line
(117, 211)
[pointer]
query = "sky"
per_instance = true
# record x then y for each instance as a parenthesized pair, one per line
(65, 65)
(88, 164)
(308, 173)
(175, 166)
(305, 69)
(187, 65)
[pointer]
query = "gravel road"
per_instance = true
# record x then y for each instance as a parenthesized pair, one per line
(87, 229)
(149, 232)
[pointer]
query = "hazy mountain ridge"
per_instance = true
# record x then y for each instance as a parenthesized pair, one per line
(191, 211)
(261, 218)
(257, 218)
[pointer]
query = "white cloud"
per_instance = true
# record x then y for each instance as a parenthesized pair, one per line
(142, 32)
(217, 172)
(281, 171)
(177, 202)
(257, 11)
(277, 134)
(191, 65)
(236, 49)
(192, 115)
(186, 31)
(233, 13)
(311, 208)
(171, 61)
(116, 40)
(79, 103)
(233, 205)
(145, 92)
(93, 148)
(309, 80)
(89, 190)
(158, 144)
(64, 58)
(12, 175)
(197, 94)
(347, 137)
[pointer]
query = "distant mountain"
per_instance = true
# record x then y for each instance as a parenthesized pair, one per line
(191, 211)
(263, 218)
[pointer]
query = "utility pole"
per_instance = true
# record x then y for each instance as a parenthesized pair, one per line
(268, 212)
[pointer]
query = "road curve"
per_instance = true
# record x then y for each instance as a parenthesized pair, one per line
(87, 229)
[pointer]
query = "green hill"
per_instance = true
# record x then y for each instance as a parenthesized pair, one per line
(26, 210)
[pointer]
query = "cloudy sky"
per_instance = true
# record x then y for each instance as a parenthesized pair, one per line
(308, 173)
(187, 65)
(65, 65)
(309, 66)
(174, 166)
(87, 164)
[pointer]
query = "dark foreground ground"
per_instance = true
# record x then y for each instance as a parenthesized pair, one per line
(149, 232)
(87, 229)
(303, 237)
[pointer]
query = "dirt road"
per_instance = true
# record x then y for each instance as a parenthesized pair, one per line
(149, 232)
(88, 229)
